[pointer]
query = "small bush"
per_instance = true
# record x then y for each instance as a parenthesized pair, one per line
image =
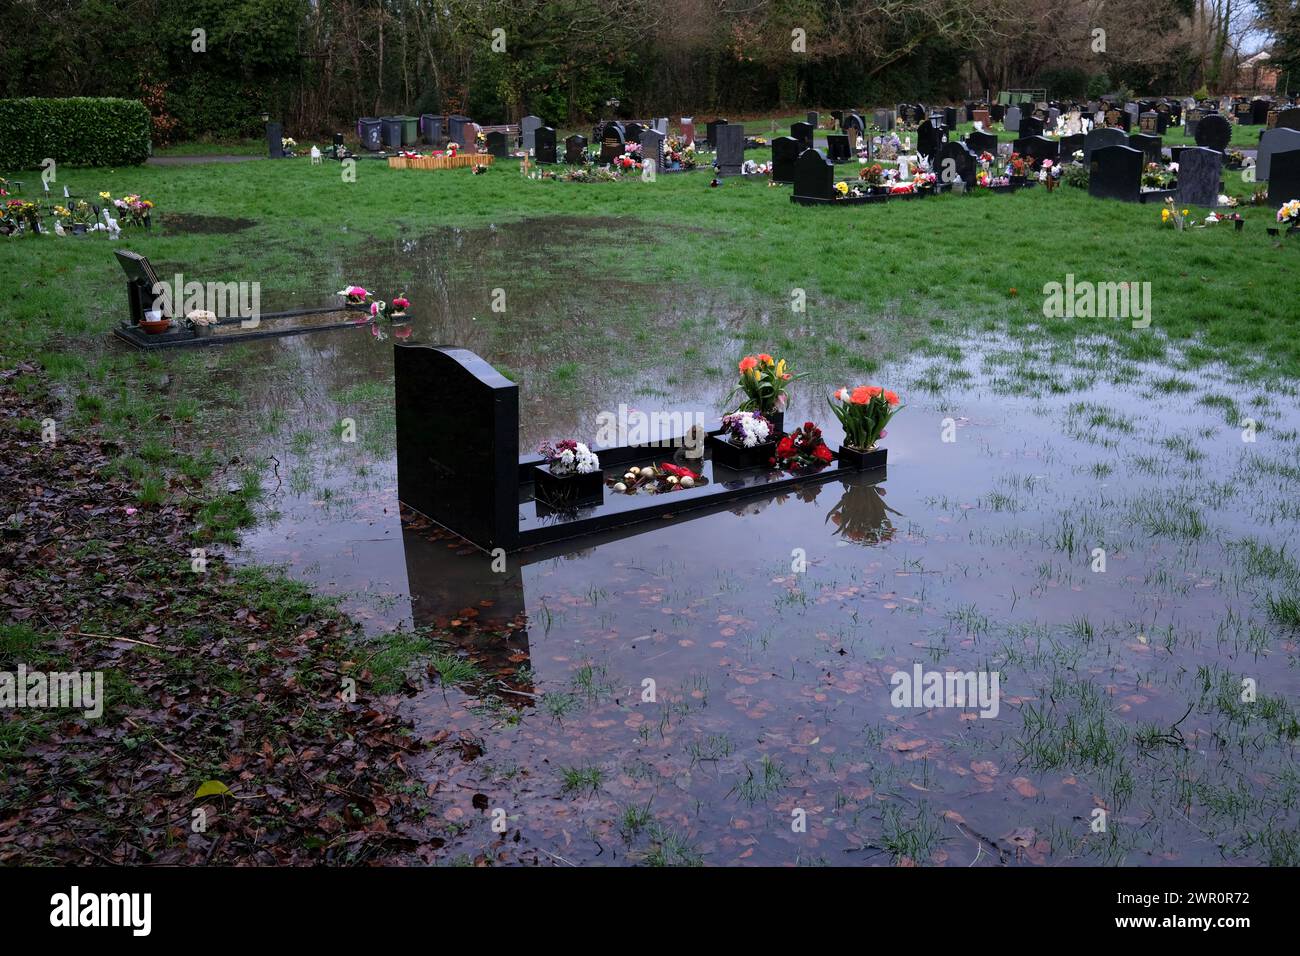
(76, 131)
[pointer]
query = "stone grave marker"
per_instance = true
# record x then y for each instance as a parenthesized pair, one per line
(1039, 148)
(837, 148)
(1030, 126)
(930, 136)
(612, 143)
(950, 117)
(544, 144)
(803, 132)
(688, 130)
(661, 124)
(652, 148)
(812, 118)
(1151, 145)
(497, 145)
(1011, 121)
(1102, 136)
(1070, 145)
(575, 149)
(528, 127)
(1149, 123)
(1192, 119)
(1288, 118)
(1115, 172)
(632, 132)
(1214, 131)
(1259, 108)
(814, 177)
(1274, 141)
(882, 118)
(785, 151)
(711, 132)
(731, 149)
(981, 142)
(981, 116)
(1284, 177)
(955, 161)
(1199, 174)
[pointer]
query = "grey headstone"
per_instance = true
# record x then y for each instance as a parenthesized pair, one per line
(1199, 173)
(652, 148)
(1274, 141)
(1011, 121)
(528, 126)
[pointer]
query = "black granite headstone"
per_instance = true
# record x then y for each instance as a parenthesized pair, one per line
(575, 149)
(1284, 177)
(956, 161)
(1288, 119)
(458, 442)
(1030, 126)
(275, 140)
(837, 148)
(814, 176)
(1070, 145)
(612, 143)
(544, 140)
(982, 142)
(785, 151)
(711, 131)
(1259, 111)
(1214, 132)
(930, 136)
(803, 132)
(1102, 136)
(1038, 148)
(1115, 172)
(731, 148)
(1199, 174)
(497, 145)
(1151, 145)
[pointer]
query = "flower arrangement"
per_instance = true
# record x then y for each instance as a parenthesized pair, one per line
(1170, 215)
(871, 175)
(747, 429)
(583, 174)
(400, 304)
(287, 145)
(802, 449)
(655, 480)
(842, 189)
(569, 457)
(354, 294)
(1288, 214)
(1019, 165)
(627, 161)
(864, 412)
(478, 169)
(763, 383)
(1155, 176)
(377, 308)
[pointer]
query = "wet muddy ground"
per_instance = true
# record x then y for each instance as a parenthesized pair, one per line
(1106, 535)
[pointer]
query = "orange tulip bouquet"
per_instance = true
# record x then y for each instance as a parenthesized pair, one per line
(864, 412)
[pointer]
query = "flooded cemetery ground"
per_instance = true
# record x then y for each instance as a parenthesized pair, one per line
(1112, 538)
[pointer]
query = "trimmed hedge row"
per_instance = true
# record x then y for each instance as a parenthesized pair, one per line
(77, 131)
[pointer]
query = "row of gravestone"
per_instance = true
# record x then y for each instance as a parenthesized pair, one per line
(1115, 172)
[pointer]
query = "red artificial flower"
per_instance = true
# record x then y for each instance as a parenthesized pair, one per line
(822, 453)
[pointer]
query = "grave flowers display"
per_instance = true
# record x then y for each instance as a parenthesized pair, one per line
(763, 387)
(354, 294)
(745, 441)
(873, 176)
(1288, 215)
(400, 304)
(803, 449)
(571, 473)
(864, 411)
(1156, 176)
(1171, 215)
(656, 480)
(1019, 167)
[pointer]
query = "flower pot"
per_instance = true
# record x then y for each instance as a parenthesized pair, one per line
(1239, 223)
(567, 489)
(738, 457)
(398, 315)
(862, 460)
(78, 228)
(202, 331)
(156, 327)
(777, 420)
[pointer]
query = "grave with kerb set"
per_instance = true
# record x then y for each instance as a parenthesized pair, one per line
(458, 462)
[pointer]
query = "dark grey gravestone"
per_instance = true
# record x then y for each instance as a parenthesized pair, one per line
(814, 177)
(731, 149)
(711, 131)
(813, 118)
(785, 151)
(1070, 145)
(544, 140)
(803, 132)
(1011, 119)
(1151, 145)
(652, 148)
(275, 140)
(497, 145)
(1199, 173)
(982, 142)
(1030, 126)
(930, 137)
(1039, 148)
(1214, 131)
(1288, 119)
(612, 143)
(1259, 111)
(633, 132)
(1053, 115)
(1192, 120)
(1115, 172)
(956, 161)
(1274, 141)
(1102, 136)
(575, 149)
(458, 442)
(950, 117)
(528, 127)
(854, 125)
(884, 119)
(1149, 123)
(837, 148)
(1284, 181)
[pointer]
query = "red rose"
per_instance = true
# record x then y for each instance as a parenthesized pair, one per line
(786, 448)
(822, 453)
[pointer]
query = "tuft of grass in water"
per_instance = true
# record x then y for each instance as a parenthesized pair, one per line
(757, 787)
(581, 779)
(670, 848)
